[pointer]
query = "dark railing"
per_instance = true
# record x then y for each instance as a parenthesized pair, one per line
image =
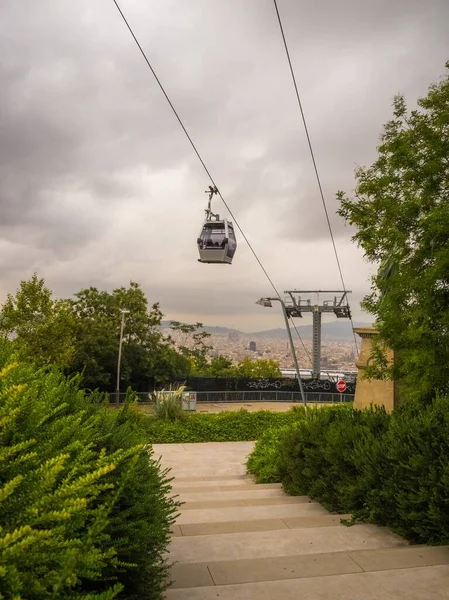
(268, 396)
(258, 384)
(257, 389)
(242, 396)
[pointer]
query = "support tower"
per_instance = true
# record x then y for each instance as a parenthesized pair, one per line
(301, 301)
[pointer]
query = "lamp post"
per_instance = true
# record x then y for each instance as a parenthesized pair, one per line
(124, 311)
(267, 302)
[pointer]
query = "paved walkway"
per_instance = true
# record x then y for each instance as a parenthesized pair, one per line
(235, 540)
(218, 407)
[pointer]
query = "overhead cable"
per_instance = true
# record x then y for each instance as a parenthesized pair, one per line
(201, 159)
(312, 154)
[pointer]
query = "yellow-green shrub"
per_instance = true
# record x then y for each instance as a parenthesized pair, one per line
(72, 474)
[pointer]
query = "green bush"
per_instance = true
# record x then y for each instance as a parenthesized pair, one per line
(140, 522)
(230, 426)
(414, 498)
(387, 469)
(83, 506)
(263, 462)
(324, 456)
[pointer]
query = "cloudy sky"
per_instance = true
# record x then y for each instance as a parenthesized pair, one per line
(98, 184)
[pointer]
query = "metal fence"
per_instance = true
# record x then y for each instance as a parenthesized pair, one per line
(257, 384)
(252, 396)
(271, 396)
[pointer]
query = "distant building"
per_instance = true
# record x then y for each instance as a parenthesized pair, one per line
(252, 346)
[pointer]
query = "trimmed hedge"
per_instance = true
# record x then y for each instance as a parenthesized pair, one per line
(387, 469)
(232, 426)
(263, 462)
(84, 511)
(414, 498)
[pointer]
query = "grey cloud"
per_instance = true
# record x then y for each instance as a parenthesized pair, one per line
(84, 130)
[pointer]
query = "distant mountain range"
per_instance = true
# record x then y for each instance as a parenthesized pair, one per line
(336, 330)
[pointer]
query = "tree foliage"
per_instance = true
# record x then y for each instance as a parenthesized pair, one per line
(98, 319)
(192, 343)
(262, 367)
(82, 334)
(43, 328)
(220, 366)
(401, 214)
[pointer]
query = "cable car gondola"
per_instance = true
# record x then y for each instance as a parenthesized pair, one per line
(216, 242)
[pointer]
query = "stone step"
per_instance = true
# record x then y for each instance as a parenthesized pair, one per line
(194, 529)
(277, 568)
(201, 480)
(282, 542)
(425, 583)
(232, 450)
(282, 499)
(224, 487)
(247, 513)
(222, 471)
(222, 480)
(234, 495)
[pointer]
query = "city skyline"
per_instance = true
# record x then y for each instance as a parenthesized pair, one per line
(335, 354)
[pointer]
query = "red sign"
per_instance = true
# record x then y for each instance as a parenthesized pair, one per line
(341, 386)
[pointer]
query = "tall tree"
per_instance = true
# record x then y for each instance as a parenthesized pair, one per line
(42, 328)
(401, 212)
(145, 353)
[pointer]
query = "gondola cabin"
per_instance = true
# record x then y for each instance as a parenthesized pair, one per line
(217, 243)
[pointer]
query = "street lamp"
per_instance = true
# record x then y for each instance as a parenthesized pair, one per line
(267, 303)
(124, 311)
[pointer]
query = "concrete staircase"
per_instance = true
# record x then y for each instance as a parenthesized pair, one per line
(235, 540)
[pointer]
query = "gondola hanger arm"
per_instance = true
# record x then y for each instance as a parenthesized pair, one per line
(211, 191)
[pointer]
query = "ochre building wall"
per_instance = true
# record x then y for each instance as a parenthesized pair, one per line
(375, 391)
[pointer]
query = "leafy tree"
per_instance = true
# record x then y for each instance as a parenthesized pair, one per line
(42, 328)
(170, 363)
(145, 352)
(262, 367)
(220, 366)
(82, 334)
(192, 343)
(401, 213)
(217, 366)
